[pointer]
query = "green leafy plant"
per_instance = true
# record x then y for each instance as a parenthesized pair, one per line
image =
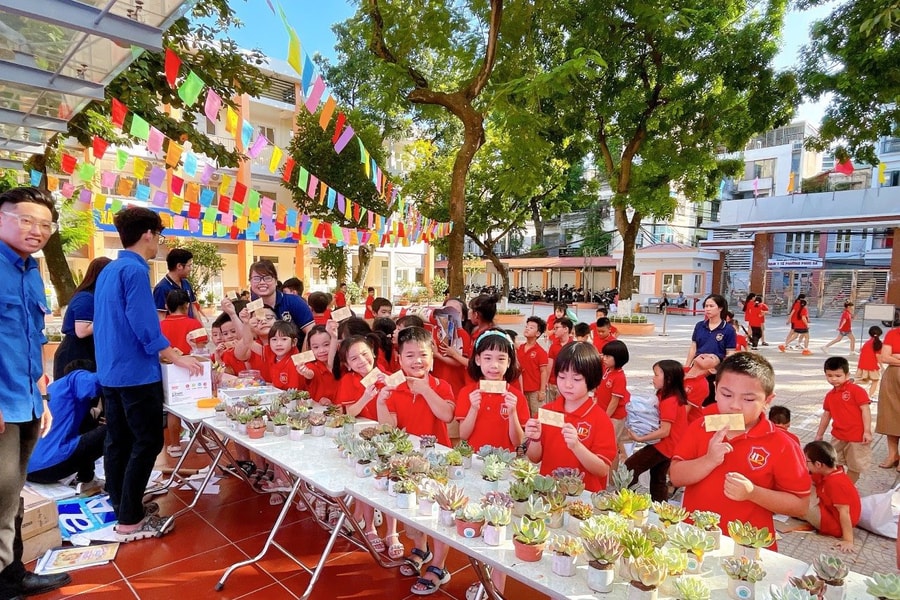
(657, 535)
(743, 569)
(884, 585)
(520, 490)
(831, 569)
(280, 418)
(606, 525)
(464, 449)
(648, 570)
(450, 497)
(471, 513)
(810, 584)
(691, 588)
(492, 470)
(630, 503)
(543, 485)
(635, 544)
(530, 532)
(603, 501)
(676, 561)
(746, 534)
(602, 550)
(405, 486)
(497, 516)
(620, 478)
(706, 520)
(789, 592)
(691, 539)
(580, 510)
(669, 514)
(523, 470)
(566, 545)
(454, 458)
(570, 485)
(537, 509)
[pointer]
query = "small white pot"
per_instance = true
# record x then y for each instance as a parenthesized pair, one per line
(381, 483)
(518, 509)
(635, 593)
(406, 501)
(741, 590)
(363, 469)
(490, 486)
(220, 416)
(446, 518)
(467, 462)
(390, 487)
(281, 430)
(456, 472)
(426, 507)
(563, 565)
(640, 519)
(573, 525)
(493, 535)
(694, 564)
(295, 435)
(242, 428)
(556, 520)
(748, 552)
(834, 592)
(600, 580)
(270, 426)
(333, 431)
(716, 535)
(318, 430)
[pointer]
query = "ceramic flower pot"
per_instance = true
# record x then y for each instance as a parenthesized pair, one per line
(469, 529)
(456, 472)
(220, 416)
(622, 568)
(363, 469)
(741, 590)
(834, 592)
(446, 518)
(318, 430)
(490, 486)
(351, 462)
(270, 426)
(637, 593)
(573, 525)
(493, 535)
(746, 551)
(296, 435)
(426, 507)
(694, 563)
(563, 565)
(556, 520)
(256, 433)
(381, 483)
(281, 430)
(406, 501)
(467, 462)
(518, 509)
(528, 552)
(600, 577)
(347, 428)
(242, 428)
(333, 431)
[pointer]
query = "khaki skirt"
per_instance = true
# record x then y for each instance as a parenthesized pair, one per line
(888, 421)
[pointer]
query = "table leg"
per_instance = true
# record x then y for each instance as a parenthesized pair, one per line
(321, 564)
(197, 494)
(195, 430)
(487, 588)
(363, 542)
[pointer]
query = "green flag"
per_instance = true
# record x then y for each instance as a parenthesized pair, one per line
(190, 89)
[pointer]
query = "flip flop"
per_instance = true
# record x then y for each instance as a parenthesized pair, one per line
(889, 465)
(151, 527)
(412, 567)
(174, 450)
(376, 542)
(275, 487)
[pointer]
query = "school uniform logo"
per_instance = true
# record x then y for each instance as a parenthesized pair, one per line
(609, 383)
(845, 396)
(758, 457)
(504, 411)
(584, 430)
(286, 316)
(720, 337)
(283, 378)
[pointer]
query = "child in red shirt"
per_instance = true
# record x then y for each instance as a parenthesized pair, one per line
(356, 360)
(868, 368)
(559, 312)
(177, 324)
(253, 338)
(452, 360)
(799, 321)
(745, 475)
(340, 296)
(370, 298)
(560, 336)
(781, 418)
(696, 384)
(534, 364)
(612, 394)
(844, 329)
(320, 381)
(282, 347)
(838, 507)
(668, 380)
(587, 440)
(755, 311)
(847, 405)
(602, 333)
(318, 304)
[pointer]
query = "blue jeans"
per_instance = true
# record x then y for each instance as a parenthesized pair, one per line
(134, 438)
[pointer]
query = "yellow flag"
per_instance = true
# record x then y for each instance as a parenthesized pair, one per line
(99, 202)
(276, 159)
(140, 167)
(173, 153)
(294, 51)
(790, 187)
(176, 204)
(882, 168)
(226, 183)
(207, 228)
(231, 121)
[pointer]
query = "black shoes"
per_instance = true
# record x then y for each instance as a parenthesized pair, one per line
(33, 584)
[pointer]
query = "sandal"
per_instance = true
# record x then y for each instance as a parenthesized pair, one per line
(151, 509)
(426, 587)
(334, 513)
(275, 487)
(320, 510)
(889, 464)
(151, 526)
(396, 550)
(174, 450)
(376, 542)
(412, 567)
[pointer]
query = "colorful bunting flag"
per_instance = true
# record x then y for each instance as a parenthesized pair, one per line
(98, 146)
(288, 168)
(117, 113)
(294, 51)
(190, 89)
(212, 105)
(172, 66)
(275, 161)
(155, 140)
(344, 140)
(259, 144)
(173, 153)
(139, 127)
(312, 101)
(328, 112)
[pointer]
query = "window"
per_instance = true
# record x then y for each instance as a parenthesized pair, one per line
(882, 240)
(801, 243)
(672, 283)
(266, 131)
(842, 241)
(210, 127)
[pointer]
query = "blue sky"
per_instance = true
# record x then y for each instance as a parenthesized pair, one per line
(313, 19)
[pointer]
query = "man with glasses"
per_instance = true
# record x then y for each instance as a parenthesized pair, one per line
(129, 345)
(180, 262)
(263, 279)
(27, 220)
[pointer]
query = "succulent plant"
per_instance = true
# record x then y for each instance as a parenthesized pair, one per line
(629, 503)
(746, 534)
(493, 469)
(537, 509)
(383, 447)
(635, 544)
(657, 535)
(427, 441)
(789, 592)
(256, 422)
(706, 519)
(221, 406)
(809, 583)
(691, 588)
(606, 525)
(649, 570)
(364, 452)
(570, 485)
(676, 561)
(496, 498)
(497, 516)
(520, 490)
(620, 479)
(471, 512)
(530, 532)
(485, 450)
(464, 449)
(454, 458)
(417, 464)
(334, 410)
(557, 502)
(439, 473)
(884, 585)
(543, 485)
(743, 569)
(403, 445)
(566, 545)
(317, 419)
(831, 569)
(450, 497)
(691, 539)
(580, 510)
(602, 500)
(523, 469)
(299, 424)
(604, 550)
(405, 486)
(281, 418)
(252, 400)
(669, 514)
(427, 488)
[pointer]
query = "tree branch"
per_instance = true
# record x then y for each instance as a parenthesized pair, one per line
(380, 48)
(477, 84)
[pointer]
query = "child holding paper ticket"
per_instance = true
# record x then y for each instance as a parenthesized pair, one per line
(488, 416)
(359, 381)
(584, 438)
(320, 381)
(253, 342)
(748, 473)
(283, 337)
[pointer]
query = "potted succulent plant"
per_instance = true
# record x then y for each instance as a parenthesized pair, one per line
(469, 520)
(633, 505)
(605, 525)
(789, 592)
(220, 411)
(832, 570)
(579, 512)
(708, 521)
(634, 545)
(691, 588)
(496, 518)
(694, 542)
(676, 565)
(570, 483)
(334, 424)
(406, 494)
(521, 492)
(449, 499)
(810, 584)
(749, 539)
(364, 454)
(743, 574)
(281, 422)
(495, 498)
(427, 442)
(669, 514)
(256, 428)
(603, 551)
(317, 424)
(565, 549)
(529, 538)
(603, 501)
(646, 573)
(382, 472)
(885, 586)
(243, 419)
(557, 502)
(466, 451)
(426, 490)
(298, 427)
(523, 470)
(455, 465)
(492, 472)
(543, 485)
(537, 509)
(403, 445)
(656, 534)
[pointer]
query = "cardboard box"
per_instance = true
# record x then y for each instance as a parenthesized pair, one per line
(40, 515)
(35, 547)
(181, 387)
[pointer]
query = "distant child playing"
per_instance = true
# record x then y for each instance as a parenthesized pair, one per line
(781, 418)
(612, 394)
(847, 408)
(560, 336)
(799, 322)
(844, 329)
(868, 368)
(836, 507)
(370, 298)
(582, 332)
(534, 364)
(747, 475)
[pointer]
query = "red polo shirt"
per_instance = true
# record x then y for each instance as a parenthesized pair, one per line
(844, 402)
(833, 489)
(414, 414)
(766, 455)
(176, 328)
(531, 359)
(284, 373)
(676, 414)
(350, 389)
(868, 361)
(323, 384)
(697, 390)
(492, 423)
(595, 431)
(613, 384)
(846, 322)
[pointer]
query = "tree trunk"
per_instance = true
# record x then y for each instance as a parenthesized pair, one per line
(629, 231)
(366, 251)
(58, 267)
(538, 221)
(474, 138)
(501, 268)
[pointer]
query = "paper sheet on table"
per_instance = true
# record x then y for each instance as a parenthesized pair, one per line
(733, 422)
(551, 417)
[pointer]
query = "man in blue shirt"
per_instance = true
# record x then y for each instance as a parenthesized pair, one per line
(180, 262)
(288, 307)
(27, 220)
(129, 345)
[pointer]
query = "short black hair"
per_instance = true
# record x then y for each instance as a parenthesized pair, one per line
(603, 309)
(370, 289)
(318, 301)
(780, 415)
(494, 339)
(379, 303)
(541, 324)
(286, 328)
(560, 306)
(293, 284)
(485, 306)
(582, 358)
(837, 363)
(604, 322)
(178, 256)
(175, 299)
(565, 322)
(221, 320)
(749, 364)
(353, 326)
(618, 351)
(410, 321)
(413, 335)
(30, 194)
(582, 329)
(821, 451)
(134, 221)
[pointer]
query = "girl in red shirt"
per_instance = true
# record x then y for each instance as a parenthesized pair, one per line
(868, 369)
(282, 347)
(320, 381)
(489, 417)
(612, 394)
(356, 357)
(253, 339)
(668, 380)
(844, 328)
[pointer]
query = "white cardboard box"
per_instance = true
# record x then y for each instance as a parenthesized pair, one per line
(180, 386)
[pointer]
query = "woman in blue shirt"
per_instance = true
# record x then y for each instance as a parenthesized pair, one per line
(78, 322)
(713, 336)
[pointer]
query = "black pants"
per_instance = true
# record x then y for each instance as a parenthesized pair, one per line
(650, 459)
(133, 441)
(755, 336)
(81, 461)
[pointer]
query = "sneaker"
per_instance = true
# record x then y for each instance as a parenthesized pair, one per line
(765, 343)
(781, 348)
(89, 488)
(806, 352)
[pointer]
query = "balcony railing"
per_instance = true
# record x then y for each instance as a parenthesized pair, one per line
(890, 145)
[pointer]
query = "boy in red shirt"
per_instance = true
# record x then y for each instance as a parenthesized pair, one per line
(745, 475)
(781, 418)
(177, 324)
(696, 385)
(755, 315)
(836, 508)
(318, 304)
(603, 333)
(370, 298)
(845, 329)
(560, 336)
(534, 363)
(847, 405)
(340, 296)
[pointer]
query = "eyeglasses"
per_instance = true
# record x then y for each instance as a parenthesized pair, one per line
(161, 239)
(262, 279)
(269, 319)
(27, 223)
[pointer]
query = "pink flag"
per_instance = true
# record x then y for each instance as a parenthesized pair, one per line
(155, 141)
(345, 138)
(756, 187)
(107, 179)
(259, 144)
(318, 88)
(207, 174)
(212, 105)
